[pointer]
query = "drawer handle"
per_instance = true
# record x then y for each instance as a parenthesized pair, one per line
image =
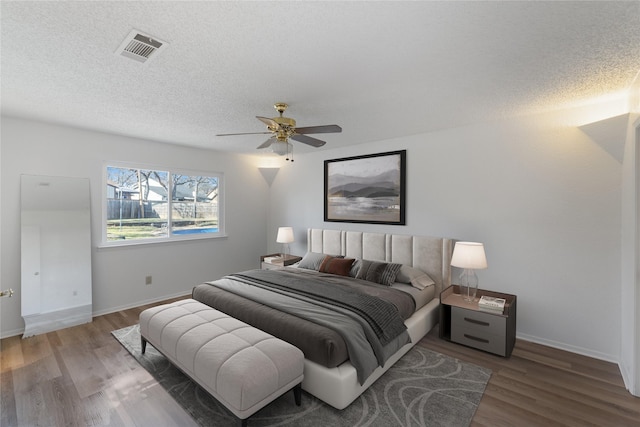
(471, 337)
(477, 322)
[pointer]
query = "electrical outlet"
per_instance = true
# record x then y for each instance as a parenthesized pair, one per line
(148, 280)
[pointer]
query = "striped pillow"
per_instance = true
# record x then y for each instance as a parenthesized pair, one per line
(378, 272)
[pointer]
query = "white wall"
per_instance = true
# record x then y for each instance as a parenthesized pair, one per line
(30, 147)
(538, 192)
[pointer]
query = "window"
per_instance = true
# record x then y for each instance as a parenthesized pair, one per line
(147, 205)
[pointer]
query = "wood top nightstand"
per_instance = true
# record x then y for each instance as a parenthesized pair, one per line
(464, 323)
(272, 261)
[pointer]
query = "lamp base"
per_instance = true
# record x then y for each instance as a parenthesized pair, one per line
(285, 251)
(468, 284)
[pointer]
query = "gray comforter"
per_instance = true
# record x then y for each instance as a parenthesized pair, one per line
(368, 317)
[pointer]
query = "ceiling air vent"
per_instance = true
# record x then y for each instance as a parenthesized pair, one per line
(141, 47)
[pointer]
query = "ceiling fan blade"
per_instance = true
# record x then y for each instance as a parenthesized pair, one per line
(245, 133)
(308, 140)
(320, 129)
(267, 121)
(265, 144)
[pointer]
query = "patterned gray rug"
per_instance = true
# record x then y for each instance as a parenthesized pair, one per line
(423, 388)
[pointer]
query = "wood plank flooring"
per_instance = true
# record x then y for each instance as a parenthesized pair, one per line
(543, 386)
(82, 376)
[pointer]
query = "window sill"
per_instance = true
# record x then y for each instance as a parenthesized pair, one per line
(142, 242)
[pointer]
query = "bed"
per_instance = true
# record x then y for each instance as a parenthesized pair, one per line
(331, 372)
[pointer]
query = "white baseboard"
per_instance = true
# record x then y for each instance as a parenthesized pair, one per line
(139, 303)
(629, 381)
(12, 333)
(570, 348)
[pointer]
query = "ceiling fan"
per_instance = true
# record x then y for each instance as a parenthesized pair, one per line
(284, 128)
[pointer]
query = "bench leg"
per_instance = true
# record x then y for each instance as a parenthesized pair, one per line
(143, 343)
(297, 394)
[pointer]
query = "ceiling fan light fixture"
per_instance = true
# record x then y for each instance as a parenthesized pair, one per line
(284, 128)
(281, 148)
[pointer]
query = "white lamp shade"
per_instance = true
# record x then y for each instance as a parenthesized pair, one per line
(469, 255)
(285, 235)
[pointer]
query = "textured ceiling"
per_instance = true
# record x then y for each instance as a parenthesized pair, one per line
(378, 69)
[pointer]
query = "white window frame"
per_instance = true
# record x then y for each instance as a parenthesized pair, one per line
(170, 237)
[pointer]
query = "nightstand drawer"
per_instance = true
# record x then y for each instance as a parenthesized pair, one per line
(478, 321)
(477, 329)
(488, 342)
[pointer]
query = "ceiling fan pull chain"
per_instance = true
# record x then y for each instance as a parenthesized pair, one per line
(289, 152)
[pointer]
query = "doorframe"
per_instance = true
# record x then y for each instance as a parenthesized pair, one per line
(635, 386)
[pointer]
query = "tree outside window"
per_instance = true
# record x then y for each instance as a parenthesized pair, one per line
(145, 204)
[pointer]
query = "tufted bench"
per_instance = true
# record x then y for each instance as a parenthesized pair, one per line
(243, 367)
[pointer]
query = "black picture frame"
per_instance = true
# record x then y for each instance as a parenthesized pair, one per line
(366, 189)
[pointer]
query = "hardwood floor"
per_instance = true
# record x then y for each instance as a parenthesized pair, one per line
(82, 376)
(543, 386)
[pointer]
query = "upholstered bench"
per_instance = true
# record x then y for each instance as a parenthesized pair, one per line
(242, 367)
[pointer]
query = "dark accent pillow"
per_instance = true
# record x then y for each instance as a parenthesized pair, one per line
(311, 261)
(334, 265)
(378, 272)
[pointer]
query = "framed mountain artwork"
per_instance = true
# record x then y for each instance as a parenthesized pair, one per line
(367, 189)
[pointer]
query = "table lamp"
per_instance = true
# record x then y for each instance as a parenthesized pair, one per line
(285, 236)
(469, 256)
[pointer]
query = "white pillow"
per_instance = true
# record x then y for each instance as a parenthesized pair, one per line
(417, 278)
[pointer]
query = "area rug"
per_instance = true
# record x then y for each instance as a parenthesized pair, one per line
(424, 388)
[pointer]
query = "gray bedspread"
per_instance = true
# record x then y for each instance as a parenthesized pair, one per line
(381, 315)
(372, 327)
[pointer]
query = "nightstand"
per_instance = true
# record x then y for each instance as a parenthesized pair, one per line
(464, 323)
(273, 261)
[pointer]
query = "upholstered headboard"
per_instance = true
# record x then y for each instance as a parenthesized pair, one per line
(429, 254)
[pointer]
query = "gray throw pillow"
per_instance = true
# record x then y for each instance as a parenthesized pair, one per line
(311, 261)
(355, 267)
(378, 272)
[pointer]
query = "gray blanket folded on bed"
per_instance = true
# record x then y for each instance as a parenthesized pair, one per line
(381, 315)
(298, 295)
